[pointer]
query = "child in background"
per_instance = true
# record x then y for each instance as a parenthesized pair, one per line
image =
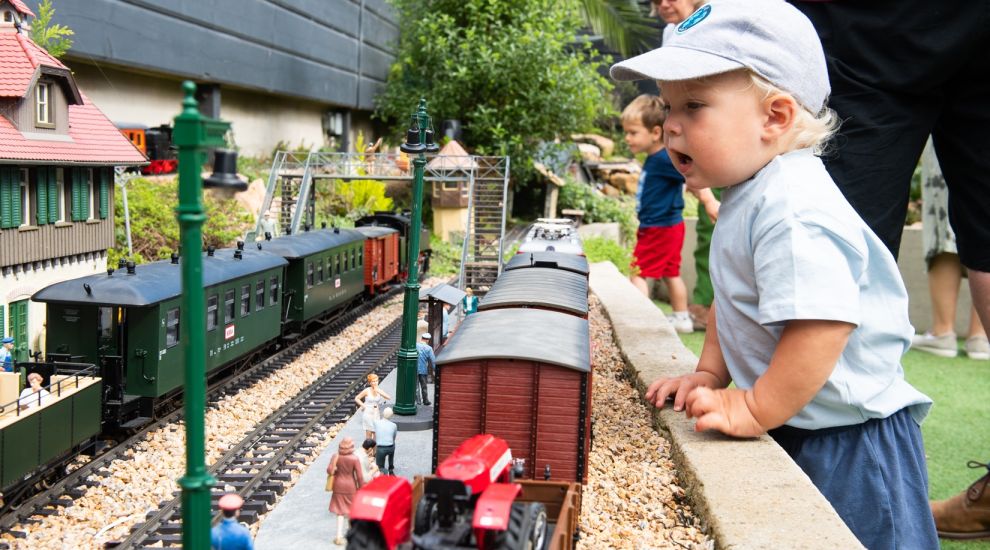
(810, 315)
(659, 206)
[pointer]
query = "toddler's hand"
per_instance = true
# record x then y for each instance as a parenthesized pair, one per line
(678, 388)
(723, 410)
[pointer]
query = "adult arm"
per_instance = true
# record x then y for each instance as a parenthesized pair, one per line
(359, 398)
(804, 359)
(708, 201)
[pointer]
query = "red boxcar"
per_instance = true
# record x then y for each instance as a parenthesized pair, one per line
(381, 257)
(523, 375)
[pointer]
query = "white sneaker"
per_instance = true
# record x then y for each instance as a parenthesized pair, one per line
(943, 346)
(682, 324)
(978, 347)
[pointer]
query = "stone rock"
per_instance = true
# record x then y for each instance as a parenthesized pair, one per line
(606, 145)
(589, 152)
(624, 181)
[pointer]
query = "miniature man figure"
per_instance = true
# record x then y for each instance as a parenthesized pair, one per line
(425, 363)
(268, 226)
(231, 534)
(385, 431)
(469, 302)
(6, 355)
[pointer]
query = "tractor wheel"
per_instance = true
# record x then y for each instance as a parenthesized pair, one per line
(365, 535)
(425, 512)
(527, 528)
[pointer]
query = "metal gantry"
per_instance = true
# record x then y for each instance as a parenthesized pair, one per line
(294, 176)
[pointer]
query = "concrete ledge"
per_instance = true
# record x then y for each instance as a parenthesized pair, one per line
(749, 493)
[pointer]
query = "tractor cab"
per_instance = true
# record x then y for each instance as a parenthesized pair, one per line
(471, 503)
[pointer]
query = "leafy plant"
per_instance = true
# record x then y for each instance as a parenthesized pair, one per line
(154, 229)
(621, 24)
(352, 199)
(601, 249)
(446, 259)
(54, 38)
(600, 208)
(511, 71)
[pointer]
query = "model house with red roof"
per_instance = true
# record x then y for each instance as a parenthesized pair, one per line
(57, 155)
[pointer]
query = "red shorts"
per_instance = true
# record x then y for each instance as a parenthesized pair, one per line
(658, 251)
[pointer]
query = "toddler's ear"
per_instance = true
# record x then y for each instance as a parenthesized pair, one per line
(780, 110)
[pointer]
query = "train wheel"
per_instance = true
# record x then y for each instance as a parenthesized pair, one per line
(365, 535)
(527, 528)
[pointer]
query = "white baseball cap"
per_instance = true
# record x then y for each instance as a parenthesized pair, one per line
(425, 336)
(770, 37)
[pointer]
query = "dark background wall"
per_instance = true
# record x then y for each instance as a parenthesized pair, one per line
(332, 51)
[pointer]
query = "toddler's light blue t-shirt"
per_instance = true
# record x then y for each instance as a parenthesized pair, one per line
(788, 246)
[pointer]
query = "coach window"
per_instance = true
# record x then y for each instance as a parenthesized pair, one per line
(273, 295)
(172, 327)
(360, 256)
(259, 295)
(319, 271)
(245, 300)
(228, 306)
(353, 258)
(211, 312)
(309, 275)
(336, 264)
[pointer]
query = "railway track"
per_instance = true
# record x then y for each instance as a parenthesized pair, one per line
(73, 485)
(259, 466)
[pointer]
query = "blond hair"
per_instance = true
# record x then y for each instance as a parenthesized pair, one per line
(647, 110)
(810, 129)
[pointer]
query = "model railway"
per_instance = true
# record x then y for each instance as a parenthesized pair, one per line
(124, 331)
(62, 490)
(257, 467)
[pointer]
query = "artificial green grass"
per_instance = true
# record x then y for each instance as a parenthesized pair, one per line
(957, 429)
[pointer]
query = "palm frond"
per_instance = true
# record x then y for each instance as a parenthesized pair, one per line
(621, 23)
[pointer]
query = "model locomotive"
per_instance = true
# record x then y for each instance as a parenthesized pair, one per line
(117, 334)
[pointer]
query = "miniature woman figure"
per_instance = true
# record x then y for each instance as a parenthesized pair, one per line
(370, 400)
(345, 470)
(469, 302)
(35, 396)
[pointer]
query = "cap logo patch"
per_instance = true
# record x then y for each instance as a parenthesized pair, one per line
(694, 18)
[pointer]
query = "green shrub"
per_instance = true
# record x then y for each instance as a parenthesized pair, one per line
(446, 259)
(510, 70)
(154, 229)
(601, 249)
(600, 208)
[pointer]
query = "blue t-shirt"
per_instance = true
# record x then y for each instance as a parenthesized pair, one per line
(425, 359)
(789, 246)
(231, 535)
(660, 196)
(385, 431)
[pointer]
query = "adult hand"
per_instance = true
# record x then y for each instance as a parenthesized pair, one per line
(726, 410)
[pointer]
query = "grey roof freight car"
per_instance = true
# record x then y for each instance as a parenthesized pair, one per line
(541, 288)
(304, 244)
(155, 282)
(555, 260)
(528, 334)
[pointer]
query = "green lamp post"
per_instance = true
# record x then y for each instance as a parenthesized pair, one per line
(419, 141)
(193, 135)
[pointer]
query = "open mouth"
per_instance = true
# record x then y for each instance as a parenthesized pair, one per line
(681, 161)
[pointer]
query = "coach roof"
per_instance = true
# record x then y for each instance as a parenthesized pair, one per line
(539, 287)
(527, 334)
(155, 282)
(308, 243)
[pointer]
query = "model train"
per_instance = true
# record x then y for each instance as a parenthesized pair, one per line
(114, 345)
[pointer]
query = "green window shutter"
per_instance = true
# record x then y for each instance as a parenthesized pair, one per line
(6, 197)
(53, 205)
(77, 197)
(41, 194)
(104, 192)
(84, 187)
(2, 333)
(16, 216)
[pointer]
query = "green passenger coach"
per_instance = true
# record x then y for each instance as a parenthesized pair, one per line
(325, 272)
(128, 323)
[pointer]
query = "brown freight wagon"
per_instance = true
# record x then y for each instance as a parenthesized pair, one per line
(523, 375)
(551, 260)
(539, 288)
(381, 257)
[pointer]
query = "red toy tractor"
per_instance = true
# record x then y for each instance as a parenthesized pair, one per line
(471, 503)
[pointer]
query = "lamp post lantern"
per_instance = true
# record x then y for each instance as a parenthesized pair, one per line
(193, 135)
(419, 141)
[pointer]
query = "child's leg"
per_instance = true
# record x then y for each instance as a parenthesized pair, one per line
(875, 477)
(640, 284)
(944, 278)
(678, 293)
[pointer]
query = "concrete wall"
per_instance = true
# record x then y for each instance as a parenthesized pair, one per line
(259, 121)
